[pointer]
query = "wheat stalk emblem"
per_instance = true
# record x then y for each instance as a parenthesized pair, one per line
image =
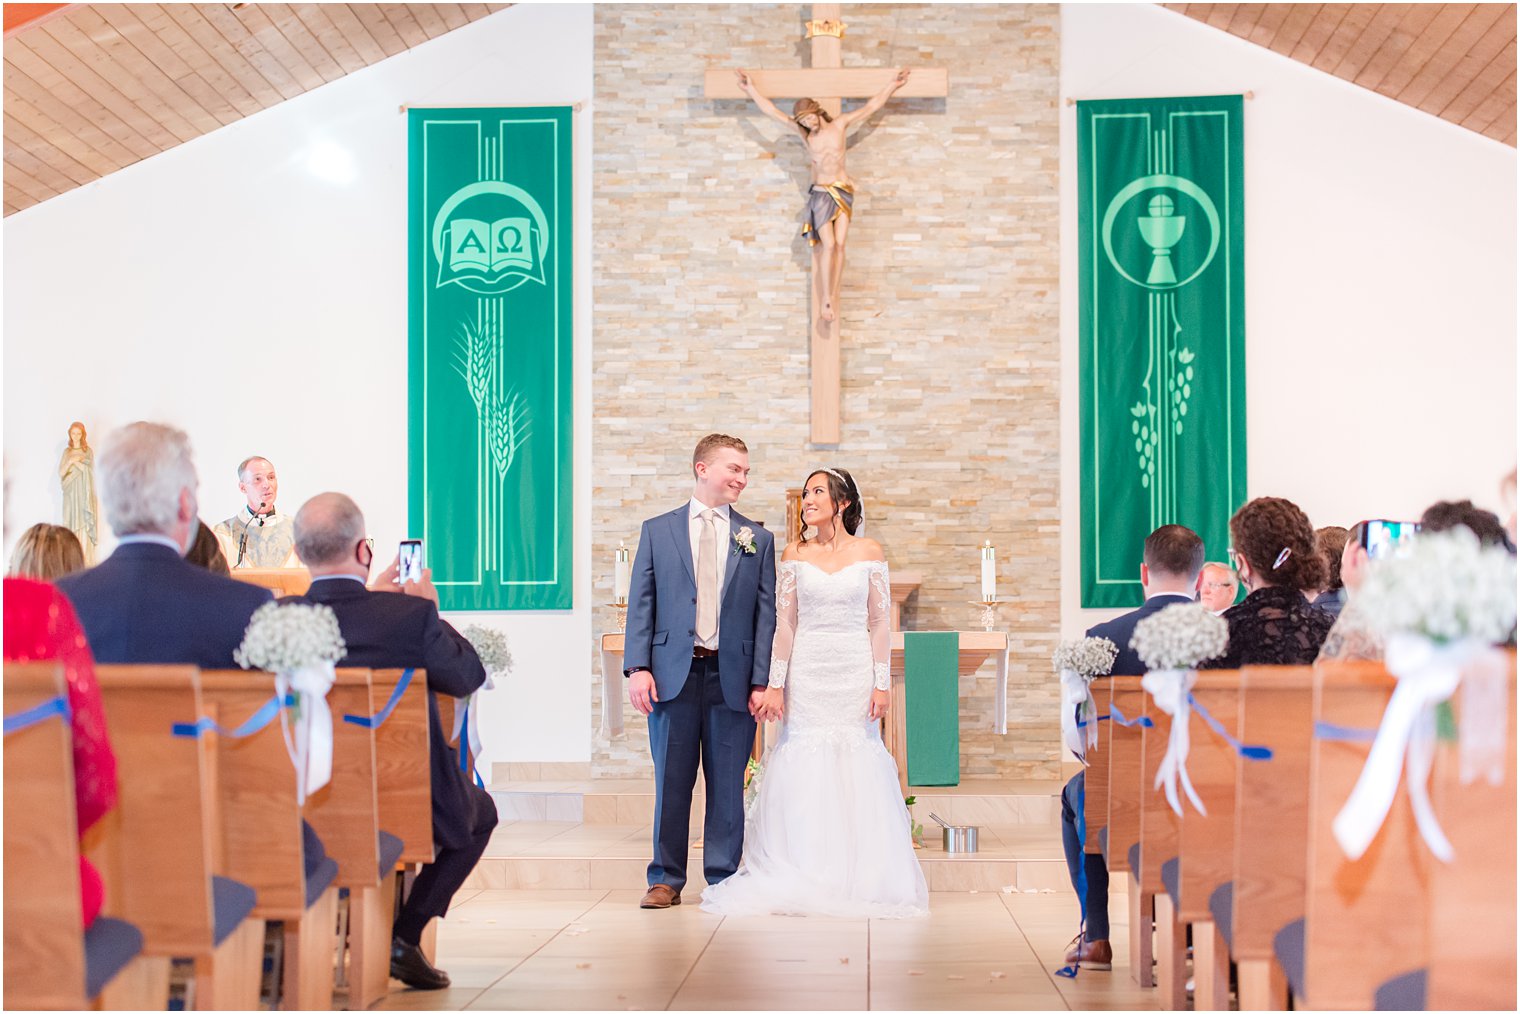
(504, 418)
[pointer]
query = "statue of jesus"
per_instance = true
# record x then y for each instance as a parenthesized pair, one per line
(832, 194)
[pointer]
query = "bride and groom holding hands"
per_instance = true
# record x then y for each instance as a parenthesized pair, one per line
(718, 637)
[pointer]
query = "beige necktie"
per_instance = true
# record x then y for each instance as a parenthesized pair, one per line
(707, 577)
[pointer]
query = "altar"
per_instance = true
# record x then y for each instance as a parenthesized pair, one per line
(975, 648)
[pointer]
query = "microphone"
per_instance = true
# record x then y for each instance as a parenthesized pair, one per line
(243, 539)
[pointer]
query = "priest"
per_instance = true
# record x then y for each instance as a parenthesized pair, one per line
(258, 535)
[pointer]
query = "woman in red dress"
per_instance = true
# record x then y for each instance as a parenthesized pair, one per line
(40, 626)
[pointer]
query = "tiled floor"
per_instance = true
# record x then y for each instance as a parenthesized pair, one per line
(595, 949)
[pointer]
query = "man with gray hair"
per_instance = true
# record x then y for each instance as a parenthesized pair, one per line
(391, 626)
(146, 603)
(258, 535)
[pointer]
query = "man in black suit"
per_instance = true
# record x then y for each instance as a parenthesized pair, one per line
(1173, 556)
(146, 603)
(392, 627)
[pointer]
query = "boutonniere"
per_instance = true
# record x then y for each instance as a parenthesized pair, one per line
(744, 541)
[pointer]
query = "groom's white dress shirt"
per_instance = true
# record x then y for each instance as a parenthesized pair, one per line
(721, 541)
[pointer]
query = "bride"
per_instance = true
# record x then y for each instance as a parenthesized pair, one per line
(827, 832)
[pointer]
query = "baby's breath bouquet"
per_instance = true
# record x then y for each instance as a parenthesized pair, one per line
(1180, 637)
(1172, 644)
(491, 645)
(1442, 606)
(301, 644)
(286, 638)
(1077, 662)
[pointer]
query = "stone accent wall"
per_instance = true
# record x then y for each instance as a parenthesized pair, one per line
(950, 351)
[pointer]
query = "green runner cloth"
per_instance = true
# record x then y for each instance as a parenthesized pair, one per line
(931, 683)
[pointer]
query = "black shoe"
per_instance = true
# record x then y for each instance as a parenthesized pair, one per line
(410, 966)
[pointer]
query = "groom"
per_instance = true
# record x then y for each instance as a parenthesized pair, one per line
(701, 615)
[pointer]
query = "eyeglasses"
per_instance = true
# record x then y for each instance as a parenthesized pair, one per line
(1218, 585)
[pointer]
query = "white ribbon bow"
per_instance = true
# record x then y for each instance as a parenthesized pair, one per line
(1076, 693)
(469, 707)
(1428, 673)
(309, 735)
(1169, 688)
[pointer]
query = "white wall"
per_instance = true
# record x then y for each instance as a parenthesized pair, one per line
(228, 289)
(1380, 278)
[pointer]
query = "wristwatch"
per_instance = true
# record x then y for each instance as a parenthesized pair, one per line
(638, 668)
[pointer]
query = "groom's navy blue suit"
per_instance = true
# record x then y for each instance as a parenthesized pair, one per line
(703, 706)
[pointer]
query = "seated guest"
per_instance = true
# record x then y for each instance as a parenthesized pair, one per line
(1331, 541)
(1353, 636)
(206, 551)
(258, 535)
(1168, 574)
(1217, 587)
(145, 604)
(1278, 560)
(47, 552)
(392, 627)
(40, 626)
(1448, 514)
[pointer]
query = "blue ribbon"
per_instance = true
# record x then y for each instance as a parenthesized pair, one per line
(1248, 752)
(377, 720)
(1118, 716)
(1082, 722)
(255, 723)
(464, 748)
(1333, 733)
(31, 716)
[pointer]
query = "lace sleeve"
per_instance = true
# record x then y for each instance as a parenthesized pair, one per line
(879, 618)
(786, 623)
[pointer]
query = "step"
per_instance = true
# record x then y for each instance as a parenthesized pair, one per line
(525, 855)
(631, 801)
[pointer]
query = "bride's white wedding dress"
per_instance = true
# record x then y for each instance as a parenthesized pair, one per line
(827, 832)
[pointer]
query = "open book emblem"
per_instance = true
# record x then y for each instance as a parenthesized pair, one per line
(489, 238)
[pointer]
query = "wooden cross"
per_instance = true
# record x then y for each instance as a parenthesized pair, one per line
(829, 83)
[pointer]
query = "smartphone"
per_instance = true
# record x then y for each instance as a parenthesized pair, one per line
(410, 568)
(1382, 539)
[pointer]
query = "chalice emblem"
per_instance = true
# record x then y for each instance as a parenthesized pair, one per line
(1161, 230)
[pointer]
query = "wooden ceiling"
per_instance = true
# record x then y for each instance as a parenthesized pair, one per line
(1455, 61)
(92, 88)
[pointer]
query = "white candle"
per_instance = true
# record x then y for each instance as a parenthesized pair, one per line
(620, 575)
(989, 573)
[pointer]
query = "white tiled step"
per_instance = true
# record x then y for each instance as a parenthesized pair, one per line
(585, 856)
(631, 801)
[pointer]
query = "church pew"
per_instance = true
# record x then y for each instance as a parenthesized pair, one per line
(1095, 776)
(51, 961)
(159, 850)
(261, 821)
(345, 815)
(403, 767)
(1159, 837)
(1124, 790)
(1472, 915)
(1365, 920)
(1272, 826)
(1206, 845)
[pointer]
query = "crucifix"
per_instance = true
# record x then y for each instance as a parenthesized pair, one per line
(826, 83)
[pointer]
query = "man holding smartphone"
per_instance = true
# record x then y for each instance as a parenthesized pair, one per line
(1353, 636)
(392, 625)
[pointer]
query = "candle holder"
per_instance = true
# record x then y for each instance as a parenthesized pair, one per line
(621, 609)
(989, 613)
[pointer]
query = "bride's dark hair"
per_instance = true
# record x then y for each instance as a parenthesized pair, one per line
(842, 489)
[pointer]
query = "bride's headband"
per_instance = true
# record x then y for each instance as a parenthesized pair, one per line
(850, 486)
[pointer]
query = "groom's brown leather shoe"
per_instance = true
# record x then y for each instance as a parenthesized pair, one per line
(660, 896)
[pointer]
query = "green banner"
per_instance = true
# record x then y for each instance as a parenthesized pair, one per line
(931, 689)
(1162, 368)
(491, 290)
